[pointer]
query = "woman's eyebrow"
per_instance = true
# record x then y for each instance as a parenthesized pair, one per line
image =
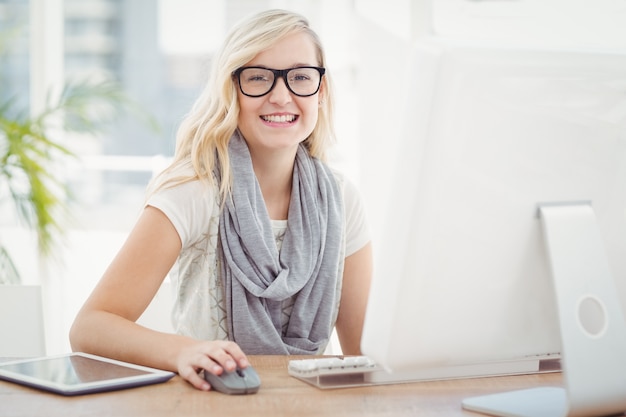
(296, 65)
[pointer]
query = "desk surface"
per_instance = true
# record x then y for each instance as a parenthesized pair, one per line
(280, 395)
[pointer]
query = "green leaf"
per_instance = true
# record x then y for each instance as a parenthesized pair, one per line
(29, 155)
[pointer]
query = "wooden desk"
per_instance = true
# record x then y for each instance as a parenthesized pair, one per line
(280, 395)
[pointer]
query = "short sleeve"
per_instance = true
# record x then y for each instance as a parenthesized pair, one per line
(188, 206)
(357, 229)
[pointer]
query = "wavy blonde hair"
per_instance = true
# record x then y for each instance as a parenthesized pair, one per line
(203, 136)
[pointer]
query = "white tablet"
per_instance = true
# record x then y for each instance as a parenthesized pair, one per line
(79, 373)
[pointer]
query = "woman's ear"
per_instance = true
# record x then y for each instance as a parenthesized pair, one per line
(321, 95)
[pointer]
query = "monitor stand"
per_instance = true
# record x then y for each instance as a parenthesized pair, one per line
(593, 330)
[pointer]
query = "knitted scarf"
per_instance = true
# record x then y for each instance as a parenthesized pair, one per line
(257, 278)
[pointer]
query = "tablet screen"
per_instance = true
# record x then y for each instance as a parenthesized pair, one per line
(79, 373)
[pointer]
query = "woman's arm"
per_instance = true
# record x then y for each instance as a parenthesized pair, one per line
(106, 323)
(357, 276)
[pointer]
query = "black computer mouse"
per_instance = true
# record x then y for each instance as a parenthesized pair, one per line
(239, 381)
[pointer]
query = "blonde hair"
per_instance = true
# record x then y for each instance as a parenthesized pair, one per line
(203, 136)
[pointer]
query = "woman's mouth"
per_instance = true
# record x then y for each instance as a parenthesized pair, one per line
(282, 118)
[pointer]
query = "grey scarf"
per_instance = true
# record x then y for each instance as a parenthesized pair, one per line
(257, 278)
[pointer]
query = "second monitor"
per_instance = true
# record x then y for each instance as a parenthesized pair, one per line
(463, 275)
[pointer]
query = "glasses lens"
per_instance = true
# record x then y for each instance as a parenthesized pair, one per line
(259, 81)
(304, 81)
(256, 81)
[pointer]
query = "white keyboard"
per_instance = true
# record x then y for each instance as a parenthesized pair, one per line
(307, 368)
(357, 371)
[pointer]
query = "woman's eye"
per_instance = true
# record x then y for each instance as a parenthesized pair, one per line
(257, 78)
(300, 77)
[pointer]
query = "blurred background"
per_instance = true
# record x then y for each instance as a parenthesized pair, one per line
(159, 52)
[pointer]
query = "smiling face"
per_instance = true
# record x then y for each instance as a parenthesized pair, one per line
(280, 120)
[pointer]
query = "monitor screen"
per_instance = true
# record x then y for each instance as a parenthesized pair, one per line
(462, 274)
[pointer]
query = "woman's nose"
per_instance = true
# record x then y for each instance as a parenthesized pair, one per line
(280, 94)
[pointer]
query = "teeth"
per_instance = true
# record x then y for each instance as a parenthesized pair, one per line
(279, 119)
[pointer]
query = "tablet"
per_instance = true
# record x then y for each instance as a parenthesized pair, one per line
(79, 373)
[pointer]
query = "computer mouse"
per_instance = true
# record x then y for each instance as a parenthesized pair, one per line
(239, 381)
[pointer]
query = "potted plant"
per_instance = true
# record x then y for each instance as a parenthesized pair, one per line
(29, 154)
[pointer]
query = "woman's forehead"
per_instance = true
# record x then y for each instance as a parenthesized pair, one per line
(296, 49)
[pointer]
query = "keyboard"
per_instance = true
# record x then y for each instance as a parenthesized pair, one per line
(334, 372)
(356, 371)
(331, 366)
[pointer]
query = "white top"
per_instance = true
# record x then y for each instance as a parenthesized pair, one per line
(193, 208)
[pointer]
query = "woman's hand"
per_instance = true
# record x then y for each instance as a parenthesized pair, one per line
(212, 356)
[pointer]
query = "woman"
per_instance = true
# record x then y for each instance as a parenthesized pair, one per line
(270, 245)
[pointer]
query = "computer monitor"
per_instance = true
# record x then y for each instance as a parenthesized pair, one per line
(462, 275)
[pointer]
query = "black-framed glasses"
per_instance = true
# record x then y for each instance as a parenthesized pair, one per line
(258, 81)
